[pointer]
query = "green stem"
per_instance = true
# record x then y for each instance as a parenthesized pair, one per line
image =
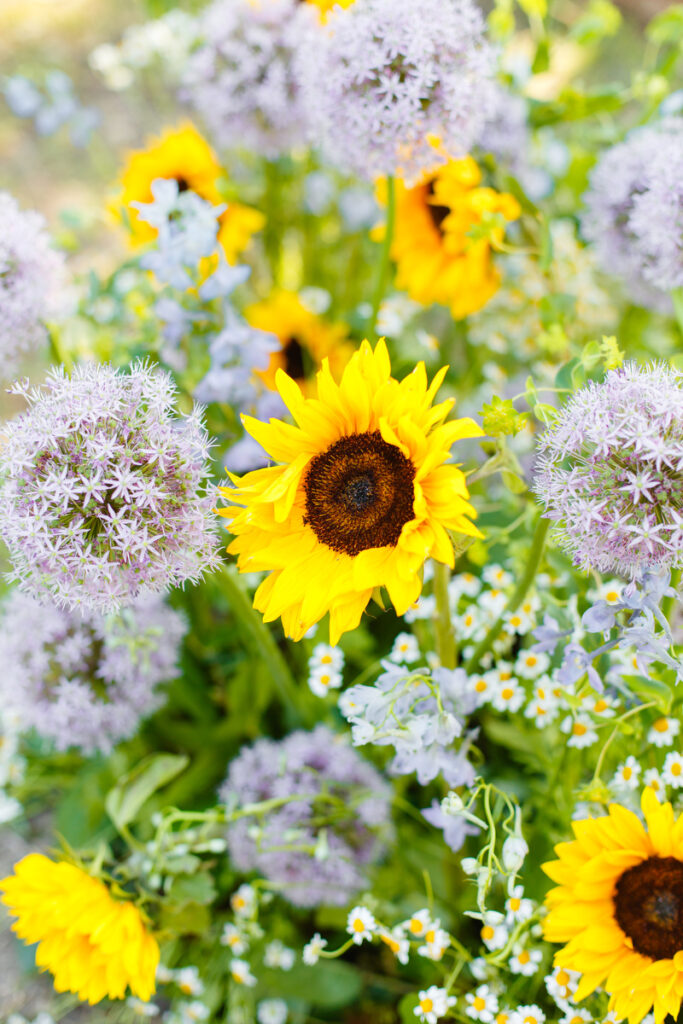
(533, 563)
(264, 644)
(445, 637)
(385, 257)
(56, 350)
(677, 296)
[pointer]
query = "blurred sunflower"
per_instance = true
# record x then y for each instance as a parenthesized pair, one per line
(184, 155)
(362, 497)
(619, 908)
(440, 255)
(94, 945)
(325, 6)
(305, 339)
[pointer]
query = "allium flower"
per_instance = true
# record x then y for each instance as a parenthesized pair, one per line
(86, 680)
(311, 867)
(104, 492)
(634, 210)
(30, 276)
(398, 86)
(93, 944)
(609, 472)
(241, 79)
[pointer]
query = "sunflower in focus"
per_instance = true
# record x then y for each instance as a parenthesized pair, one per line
(619, 908)
(436, 259)
(184, 155)
(362, 496)
(305, 340)
(94, 945)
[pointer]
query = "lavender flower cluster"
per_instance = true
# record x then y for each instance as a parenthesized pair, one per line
(31, 273)
(385, 79)
(326, 780)
(241, 80)
(634, 211)
(86, 680)
(609, 472)
(419, 713)
(104, 493)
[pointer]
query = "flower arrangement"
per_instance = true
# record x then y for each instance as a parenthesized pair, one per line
(341, 512)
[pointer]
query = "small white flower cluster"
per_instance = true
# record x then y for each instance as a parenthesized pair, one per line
(12, 765)
(164, 44)
(420, 714)
(325, 669)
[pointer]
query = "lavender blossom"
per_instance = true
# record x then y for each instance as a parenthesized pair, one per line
(104, 494)
(241, 79)
(609, 472)
(31, 274)
(312, 863)
(634, 211)
(86, 680)
(386, 78)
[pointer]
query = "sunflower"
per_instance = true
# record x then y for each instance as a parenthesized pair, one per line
(94, 945)
(305, 339)
(436, 259)
(362, 496)
(619, 908)
(184, 155)
(325, 6)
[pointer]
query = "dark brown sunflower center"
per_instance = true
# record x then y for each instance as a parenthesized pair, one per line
(648, 904)
(183, 184)
(436, 212)
(359, 493)
(294, 359)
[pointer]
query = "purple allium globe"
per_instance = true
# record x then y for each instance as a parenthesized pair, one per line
(635, 211)
(610, 472)
(31, 274)
(398, 86)
(342, 787)
(86, 680)
(241, 79)
(103, 491)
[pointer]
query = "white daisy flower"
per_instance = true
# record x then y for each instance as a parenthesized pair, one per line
(525, 961)
(313, 949)
(672, 773)
(531, 664)
(497, 576)
(518, 907)
(406, 649)
(361, 925)
(627, 775)
(664, 731)
(530, 1014)
(418, 924)
(508, 696)
(233, 938)
(433, 1003)
(397, 943)
(241, 973)
(482, 1004)
(580, 731)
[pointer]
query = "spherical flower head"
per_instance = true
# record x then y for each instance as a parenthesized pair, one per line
(362, 496)
(435, 221)
(398, 86)
(94, 945)
(609, 472)
(31, 275)
(104, 494)
(83, 679)
(314, 764)
(241, 79)
(620, 886)
(634, 211)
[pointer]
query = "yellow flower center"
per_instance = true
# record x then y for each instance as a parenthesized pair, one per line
(504, 675)
(487, 932)
(358, 925)
(661, 725)
(507, 693)
(562, 978)
(480, 685)
(612, 596)
(579, 729)
(524, 957)
(515, 903)
(676, 768)
(426, 1005)
(531, 660)
(415, 925)
(627, 772)
(600, 705)
(479, 1004)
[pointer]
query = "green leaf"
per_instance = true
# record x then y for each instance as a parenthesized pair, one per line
(602, 19)
(197, 888)
(667, 27)
(406, 1008)
(651, 689)
(125, 800)
(189, 919)
(329, 985)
